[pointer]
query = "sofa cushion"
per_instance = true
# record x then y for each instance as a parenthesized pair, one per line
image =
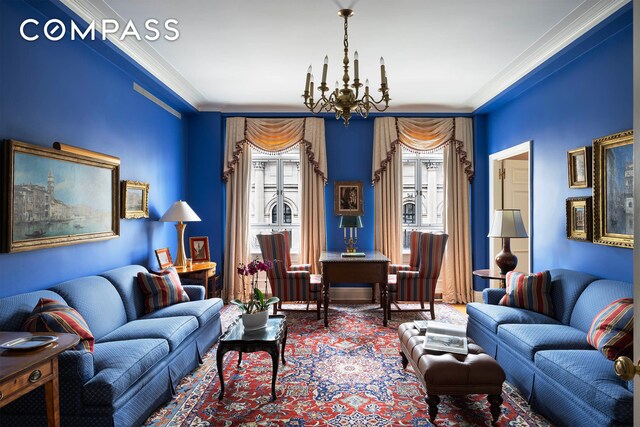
(118, 365)
(596, 297)
(15, 310)
(172, 329)
(529, 339)
(161, 290)
(125, 280)
(529, 291)
(566, 287)
(97, 301)
(490, 316)
(612, 329)
(203, 310)
(590, 376)
(53, 316)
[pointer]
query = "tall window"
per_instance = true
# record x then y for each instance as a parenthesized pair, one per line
(422, 193)
(275, 196)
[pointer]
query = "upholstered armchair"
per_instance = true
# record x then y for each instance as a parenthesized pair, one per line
(414, 260)
(293, 267)
(420, 285)
(288, 285)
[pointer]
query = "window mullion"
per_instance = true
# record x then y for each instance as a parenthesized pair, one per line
(418, 208)
(280, 193)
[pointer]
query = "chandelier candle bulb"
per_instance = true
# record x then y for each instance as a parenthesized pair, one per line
(306, 86)
(324, 70)
(382, 71)
(355, 65)
(311, 83)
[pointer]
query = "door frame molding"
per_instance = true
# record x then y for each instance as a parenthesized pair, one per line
(522, 148)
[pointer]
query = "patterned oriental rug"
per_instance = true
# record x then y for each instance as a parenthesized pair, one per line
(349, 374)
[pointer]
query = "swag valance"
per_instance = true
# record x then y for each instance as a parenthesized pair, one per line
(276, 136)
(422, 135)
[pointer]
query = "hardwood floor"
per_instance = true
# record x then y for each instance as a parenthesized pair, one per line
(462, 308)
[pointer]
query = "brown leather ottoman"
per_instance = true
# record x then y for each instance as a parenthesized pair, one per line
(452, 374)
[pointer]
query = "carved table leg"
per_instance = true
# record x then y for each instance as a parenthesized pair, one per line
(405, 361)
(325, 293)
(433, 401)
(275, 359)
(239, 358)
(384, 297)
(284, 344)
(219, 355)
(495, 400)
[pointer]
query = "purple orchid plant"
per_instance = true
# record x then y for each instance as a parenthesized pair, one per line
(256, 302)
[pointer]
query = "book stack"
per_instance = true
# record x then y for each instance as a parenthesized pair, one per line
(446, 337)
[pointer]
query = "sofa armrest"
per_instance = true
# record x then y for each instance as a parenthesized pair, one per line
(493, 295)
(195, 292)
(75, 366)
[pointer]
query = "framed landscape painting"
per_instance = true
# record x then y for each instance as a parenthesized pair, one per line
(348, 198)
(613, 190)
(135, 199)
(579, 167)
(54, 198)
(579, 226)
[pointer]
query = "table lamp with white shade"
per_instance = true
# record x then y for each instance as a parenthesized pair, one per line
(507, 224)
(180, 212)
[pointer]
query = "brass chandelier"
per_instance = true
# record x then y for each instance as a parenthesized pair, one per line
(344, 101)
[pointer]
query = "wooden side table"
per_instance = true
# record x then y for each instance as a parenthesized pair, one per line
(491, 275)
(202, 271)
(23, 371)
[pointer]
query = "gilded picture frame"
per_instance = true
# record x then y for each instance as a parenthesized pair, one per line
(613, 190)
(135, 199)
(55, 198)
(579, 167)
(579, 224)
(348, 198)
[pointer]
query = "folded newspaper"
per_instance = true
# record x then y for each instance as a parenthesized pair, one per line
(446, 337)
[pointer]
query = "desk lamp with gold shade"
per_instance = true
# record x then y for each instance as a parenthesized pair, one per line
(507, 224)
(180, 212)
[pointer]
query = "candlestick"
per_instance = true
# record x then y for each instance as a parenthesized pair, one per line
(324, 70)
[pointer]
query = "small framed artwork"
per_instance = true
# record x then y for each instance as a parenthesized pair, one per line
(347, 198)
(199, 249)
(164, 257)
(579, 167)
(579, 225)
(135, 199)
(613, 190)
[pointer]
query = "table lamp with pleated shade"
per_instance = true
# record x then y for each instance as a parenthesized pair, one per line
(180, 212)
(507, 224)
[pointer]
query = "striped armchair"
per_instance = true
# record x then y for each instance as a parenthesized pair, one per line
(420, 285)
(293, 267)
(414, 256)
(286, 284)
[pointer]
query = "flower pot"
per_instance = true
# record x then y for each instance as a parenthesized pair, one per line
(255, 321)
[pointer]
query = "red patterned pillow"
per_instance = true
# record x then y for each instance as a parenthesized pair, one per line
(161, 290)
(611, 331)
(53, 316)
(529, 291)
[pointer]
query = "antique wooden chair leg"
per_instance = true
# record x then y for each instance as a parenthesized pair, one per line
(431, 307)
(422, 305)
(432, 401)
(495, 400)
(405, 361)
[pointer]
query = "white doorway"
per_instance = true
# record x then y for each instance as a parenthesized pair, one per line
(510, 188)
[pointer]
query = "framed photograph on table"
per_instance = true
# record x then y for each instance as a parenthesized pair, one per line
(53, 198)
(613, 190)
(135, 199)
(348, 198)
(199, 247)
(164, 258)
(579, 167)
(579, 224)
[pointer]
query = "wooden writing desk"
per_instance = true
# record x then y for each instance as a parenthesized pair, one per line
(23, 371)
(372, 268)
(201, 271)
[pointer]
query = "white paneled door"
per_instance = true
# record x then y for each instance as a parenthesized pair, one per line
(516, 196)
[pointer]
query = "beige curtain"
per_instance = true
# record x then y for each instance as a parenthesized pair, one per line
(387, 190)
(238, 176)
(273, 136)
(457, 267)
(455, 136)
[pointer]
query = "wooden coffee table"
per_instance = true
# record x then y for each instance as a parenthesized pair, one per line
(271, 339)
(23, 371)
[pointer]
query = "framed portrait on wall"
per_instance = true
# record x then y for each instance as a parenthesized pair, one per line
(613, 190)
(579, 224)
(348, 198)
(579, 167)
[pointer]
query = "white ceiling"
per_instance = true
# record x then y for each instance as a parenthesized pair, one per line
(440, 55)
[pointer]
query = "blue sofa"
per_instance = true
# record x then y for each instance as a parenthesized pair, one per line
(138, 358)
(548, 358)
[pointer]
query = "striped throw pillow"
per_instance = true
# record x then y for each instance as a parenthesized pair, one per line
(53, 316)
(161, 290)
(611, 331)
(529, 291)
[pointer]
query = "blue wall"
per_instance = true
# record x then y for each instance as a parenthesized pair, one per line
(67, 91)
(589, 97)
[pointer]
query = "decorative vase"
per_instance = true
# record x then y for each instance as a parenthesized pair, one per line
(255, 321)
